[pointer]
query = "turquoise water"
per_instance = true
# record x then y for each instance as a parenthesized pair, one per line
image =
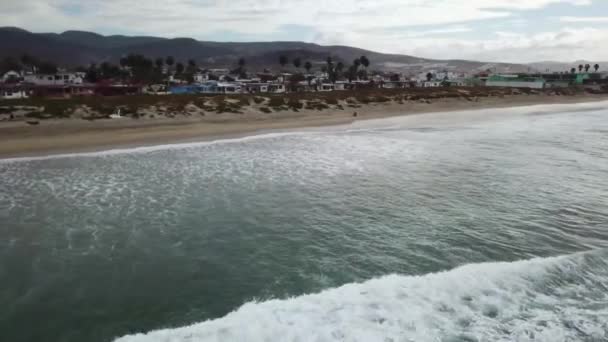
(475, 226)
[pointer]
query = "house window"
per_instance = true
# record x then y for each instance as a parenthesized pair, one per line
(66, 77)
(50, 78)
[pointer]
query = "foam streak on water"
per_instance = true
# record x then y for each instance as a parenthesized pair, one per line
(552, 299)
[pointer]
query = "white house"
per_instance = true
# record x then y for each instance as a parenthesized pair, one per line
(229, 88)
(277, 88)
(214, 87)
(64, 78)
(431, 84)
(10, 75)
(256, 87)
(326, 87)
(200, 78)
(340, 85)
(13, 93)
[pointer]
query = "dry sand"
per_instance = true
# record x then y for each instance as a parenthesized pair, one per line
(74, 135)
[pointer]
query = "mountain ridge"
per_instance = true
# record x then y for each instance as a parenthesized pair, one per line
(75, 48)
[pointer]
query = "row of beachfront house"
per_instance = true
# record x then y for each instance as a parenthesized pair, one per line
(218, 81)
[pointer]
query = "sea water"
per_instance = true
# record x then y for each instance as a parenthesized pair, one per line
(487, 225)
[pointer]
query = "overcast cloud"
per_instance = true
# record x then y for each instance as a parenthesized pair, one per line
(493, 30)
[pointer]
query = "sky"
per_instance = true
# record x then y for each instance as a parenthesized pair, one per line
(518, 31)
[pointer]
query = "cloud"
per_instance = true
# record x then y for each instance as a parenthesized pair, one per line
(567, 44)
(430, 28)
(584, 19)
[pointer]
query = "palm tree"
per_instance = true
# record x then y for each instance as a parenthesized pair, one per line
(357, 63)
(297, 62)
(338, 71)
(308, 66)
(170, 61)
(241, 68)
(580, 68)
(352, 73)
(160, 63)
(330, 69)
(573, 70)
(26, 59)
(283, 60)
(587, 67)
(339, 67)
(596, 67)
(365, 61)
(179, 67)
(429, 77)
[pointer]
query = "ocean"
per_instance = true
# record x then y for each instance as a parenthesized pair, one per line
(486, 225)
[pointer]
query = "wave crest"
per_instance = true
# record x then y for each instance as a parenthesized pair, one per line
(551, 299)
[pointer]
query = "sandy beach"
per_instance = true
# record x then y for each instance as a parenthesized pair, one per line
(76, 135)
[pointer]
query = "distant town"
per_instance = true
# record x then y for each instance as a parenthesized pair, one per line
(28, 76)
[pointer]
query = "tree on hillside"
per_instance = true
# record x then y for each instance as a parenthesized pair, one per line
(587, 67)
(108, 70)
(191, 65)
(9, 64)
(351, 73)
(596, 67)
(26, 59)
(429, 77)
(330, 69)
(357, 63)
(91, 75)
(339, 67)
(580, 68)
(362, 74)
(573, 70)
(170, 61)
(364, 61)
(308, 66)
(29, 61)
(297, 62)
(160, 62)
(241, 69)
(179, 68)
(142, 68)
(283, 60)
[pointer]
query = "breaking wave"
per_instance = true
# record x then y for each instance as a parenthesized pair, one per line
(551, 299)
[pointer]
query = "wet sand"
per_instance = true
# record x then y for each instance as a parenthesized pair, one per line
(76, 135)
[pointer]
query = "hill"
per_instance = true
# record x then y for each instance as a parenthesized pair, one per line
(75, 48)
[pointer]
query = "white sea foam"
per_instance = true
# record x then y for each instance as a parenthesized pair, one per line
(357, 126)
(554, 299)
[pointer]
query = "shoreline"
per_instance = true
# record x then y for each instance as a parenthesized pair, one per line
(67, 136)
